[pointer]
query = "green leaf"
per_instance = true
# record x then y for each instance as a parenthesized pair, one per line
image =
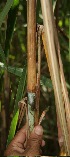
(69, 38)
(19, 96)
(46, 82)
(16, 3)
(20, 90)
(13, 70)
(2, 55)
(0, 106)
(5, 10)
(38, 10)
(12, 15)
(13, 127)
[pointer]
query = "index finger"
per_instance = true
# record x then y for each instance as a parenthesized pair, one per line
(20, 136)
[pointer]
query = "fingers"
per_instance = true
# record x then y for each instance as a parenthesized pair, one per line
(38, 130)
(16, 146)
(20, 136)
(34, 142)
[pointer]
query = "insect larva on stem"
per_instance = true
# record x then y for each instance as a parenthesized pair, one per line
(43, 115)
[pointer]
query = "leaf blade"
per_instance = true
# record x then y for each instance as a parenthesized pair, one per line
(5, 10)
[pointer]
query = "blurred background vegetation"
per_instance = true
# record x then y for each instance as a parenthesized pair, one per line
(13, 61)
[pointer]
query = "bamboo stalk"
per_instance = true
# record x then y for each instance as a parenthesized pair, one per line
(63, 83)
(31, 46)
(49, 37)
(31, 59)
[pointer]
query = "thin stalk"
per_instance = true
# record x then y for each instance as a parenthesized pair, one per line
(38, 76)
(49, 37)
(31, 59)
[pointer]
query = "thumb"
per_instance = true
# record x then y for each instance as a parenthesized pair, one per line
(34, 142)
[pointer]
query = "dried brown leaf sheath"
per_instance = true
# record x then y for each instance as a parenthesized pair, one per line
(49, 36)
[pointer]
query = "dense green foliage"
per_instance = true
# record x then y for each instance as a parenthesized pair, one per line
(13, 63)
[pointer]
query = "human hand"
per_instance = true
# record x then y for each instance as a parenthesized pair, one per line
(17, 147)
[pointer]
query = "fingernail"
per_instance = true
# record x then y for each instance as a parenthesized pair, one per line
(38, 130)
